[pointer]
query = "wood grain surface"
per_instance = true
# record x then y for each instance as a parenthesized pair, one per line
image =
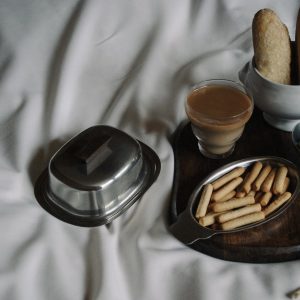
(275, 241)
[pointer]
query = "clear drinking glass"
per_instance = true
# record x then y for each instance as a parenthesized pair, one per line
(218, 110)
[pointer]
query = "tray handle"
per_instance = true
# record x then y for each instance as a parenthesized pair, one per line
(188, 230)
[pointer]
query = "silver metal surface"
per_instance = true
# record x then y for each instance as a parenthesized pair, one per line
(98, 174)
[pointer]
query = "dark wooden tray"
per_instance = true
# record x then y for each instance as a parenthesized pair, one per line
(275, 241)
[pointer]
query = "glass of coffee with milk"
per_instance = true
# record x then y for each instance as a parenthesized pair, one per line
(218, 110)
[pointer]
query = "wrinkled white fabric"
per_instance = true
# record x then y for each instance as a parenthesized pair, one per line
(68, 65)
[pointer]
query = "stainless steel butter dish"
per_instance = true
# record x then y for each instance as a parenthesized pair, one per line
(96, 176)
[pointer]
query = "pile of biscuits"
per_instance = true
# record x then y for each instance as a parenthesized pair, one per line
(243, 196)
(273, 52)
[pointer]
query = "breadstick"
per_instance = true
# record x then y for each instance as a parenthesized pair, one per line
(209, 219)
(280, 200)
(233, 203)
(233, 214)
(237, 172)
(244, 220)
(272, 46)
(286, 184)
(261, 177)
(267, 184)
(278, 184)
(230, 195)
(227, 188)
(251, 176)
(265, 198)
(204, 200)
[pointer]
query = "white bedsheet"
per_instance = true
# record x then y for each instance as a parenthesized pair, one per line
(68, 65)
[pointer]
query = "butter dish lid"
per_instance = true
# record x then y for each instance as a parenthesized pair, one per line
(96, 176)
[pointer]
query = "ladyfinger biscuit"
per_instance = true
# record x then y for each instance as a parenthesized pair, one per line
(224, 217)
(272, 46)
(261, 177)
(233, 203)
(268, 182)
(278, 184)
(227, 188)
(237, 172)
(251, 176)
(279, 201)
(204, 200)
(244, 220)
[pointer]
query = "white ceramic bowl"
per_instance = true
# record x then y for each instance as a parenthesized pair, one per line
(280, 103)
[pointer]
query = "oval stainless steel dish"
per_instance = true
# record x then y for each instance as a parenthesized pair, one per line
(188, 230)
(96, 176)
